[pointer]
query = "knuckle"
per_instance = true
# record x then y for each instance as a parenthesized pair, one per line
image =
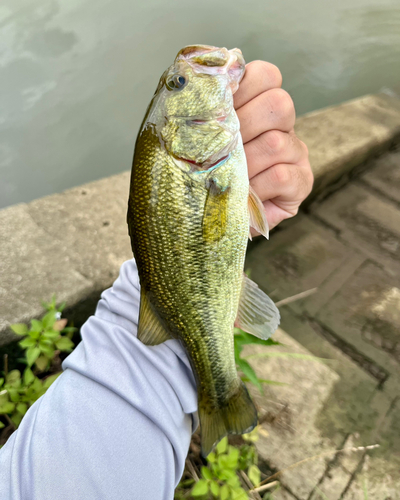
(275, 141)
(282, 175)
(282, 102)
(267, 71)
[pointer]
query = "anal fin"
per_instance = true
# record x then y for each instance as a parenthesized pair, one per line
(150, 330)
(257, 313)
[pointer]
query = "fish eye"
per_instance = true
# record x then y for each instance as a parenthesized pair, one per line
(175, 82)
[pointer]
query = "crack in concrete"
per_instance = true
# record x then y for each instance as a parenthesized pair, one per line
(366, 363)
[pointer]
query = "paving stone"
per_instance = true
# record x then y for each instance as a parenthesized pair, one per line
(366, 221)
(385, 175)
(365, 314)
(289, 413)
(347, 410)
(300, 256)
(31, 270)
(374, 483)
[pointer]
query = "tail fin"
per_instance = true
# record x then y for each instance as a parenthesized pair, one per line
(237, 416)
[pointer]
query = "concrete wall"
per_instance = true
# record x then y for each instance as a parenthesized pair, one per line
(73, 243)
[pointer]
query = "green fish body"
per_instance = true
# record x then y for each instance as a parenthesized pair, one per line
(189, 211)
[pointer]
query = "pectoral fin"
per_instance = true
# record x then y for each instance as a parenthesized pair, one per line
(258, 219)
(257, 313)
(150, 331)
(215, 212)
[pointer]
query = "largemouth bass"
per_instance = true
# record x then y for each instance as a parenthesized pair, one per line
(190, 208)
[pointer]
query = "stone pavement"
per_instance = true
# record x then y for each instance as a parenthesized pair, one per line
(348, 247)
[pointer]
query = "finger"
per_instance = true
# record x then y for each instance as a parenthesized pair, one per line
(273, 147)
(259, 77)
(275, 215)
(287, 185)
(272, 109)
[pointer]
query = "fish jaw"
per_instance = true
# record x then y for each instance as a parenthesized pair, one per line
(209, 60)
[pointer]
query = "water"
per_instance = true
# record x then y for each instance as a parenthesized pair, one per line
(76, 75)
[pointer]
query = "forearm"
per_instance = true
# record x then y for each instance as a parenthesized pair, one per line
(116, 424)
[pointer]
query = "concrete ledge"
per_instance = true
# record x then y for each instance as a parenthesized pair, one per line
(341, 137)
(73, 243)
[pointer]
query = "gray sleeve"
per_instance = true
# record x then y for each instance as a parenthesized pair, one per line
(116, 424)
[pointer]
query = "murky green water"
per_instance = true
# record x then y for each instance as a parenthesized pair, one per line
(76, 75)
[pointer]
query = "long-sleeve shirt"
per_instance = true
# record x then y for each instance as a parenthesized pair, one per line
(116, 424)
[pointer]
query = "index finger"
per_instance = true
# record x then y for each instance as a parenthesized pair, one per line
(259, 77)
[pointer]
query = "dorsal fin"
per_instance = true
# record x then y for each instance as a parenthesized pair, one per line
(257, 313)
(150, 330)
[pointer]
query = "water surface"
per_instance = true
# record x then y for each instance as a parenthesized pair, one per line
(76, 75)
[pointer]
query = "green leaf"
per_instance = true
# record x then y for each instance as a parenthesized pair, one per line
(13, 377)
(214, 488)
(242, 338)
(200, 488)
(69, 329)
(222, 445)
(22, 408)
(224, 492)
(16, 418)
(232, 457)
(206, 473)
(28, 376)
(1, 381)
(37, 385)
(47, 351)
(1, 425)
(19, 328)
(32, 354)
(51, 335)
(239, 494)
(211, 457)
(227, 474)
(42, 362)
(61, 307)
(248, 371)
(49, 319)
(233, 481)
(254, 475)
(36, 325)
(7, 408)
(65, 344)
(27, 342)
(49, 380)
(13, 395)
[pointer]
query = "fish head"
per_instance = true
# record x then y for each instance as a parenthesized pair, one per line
(193, 105)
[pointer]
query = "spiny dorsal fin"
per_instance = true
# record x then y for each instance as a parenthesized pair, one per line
(257, 313)
(215, 212)
(150, 331)
(258, 219)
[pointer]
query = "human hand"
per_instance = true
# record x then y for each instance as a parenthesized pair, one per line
(277, 161)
